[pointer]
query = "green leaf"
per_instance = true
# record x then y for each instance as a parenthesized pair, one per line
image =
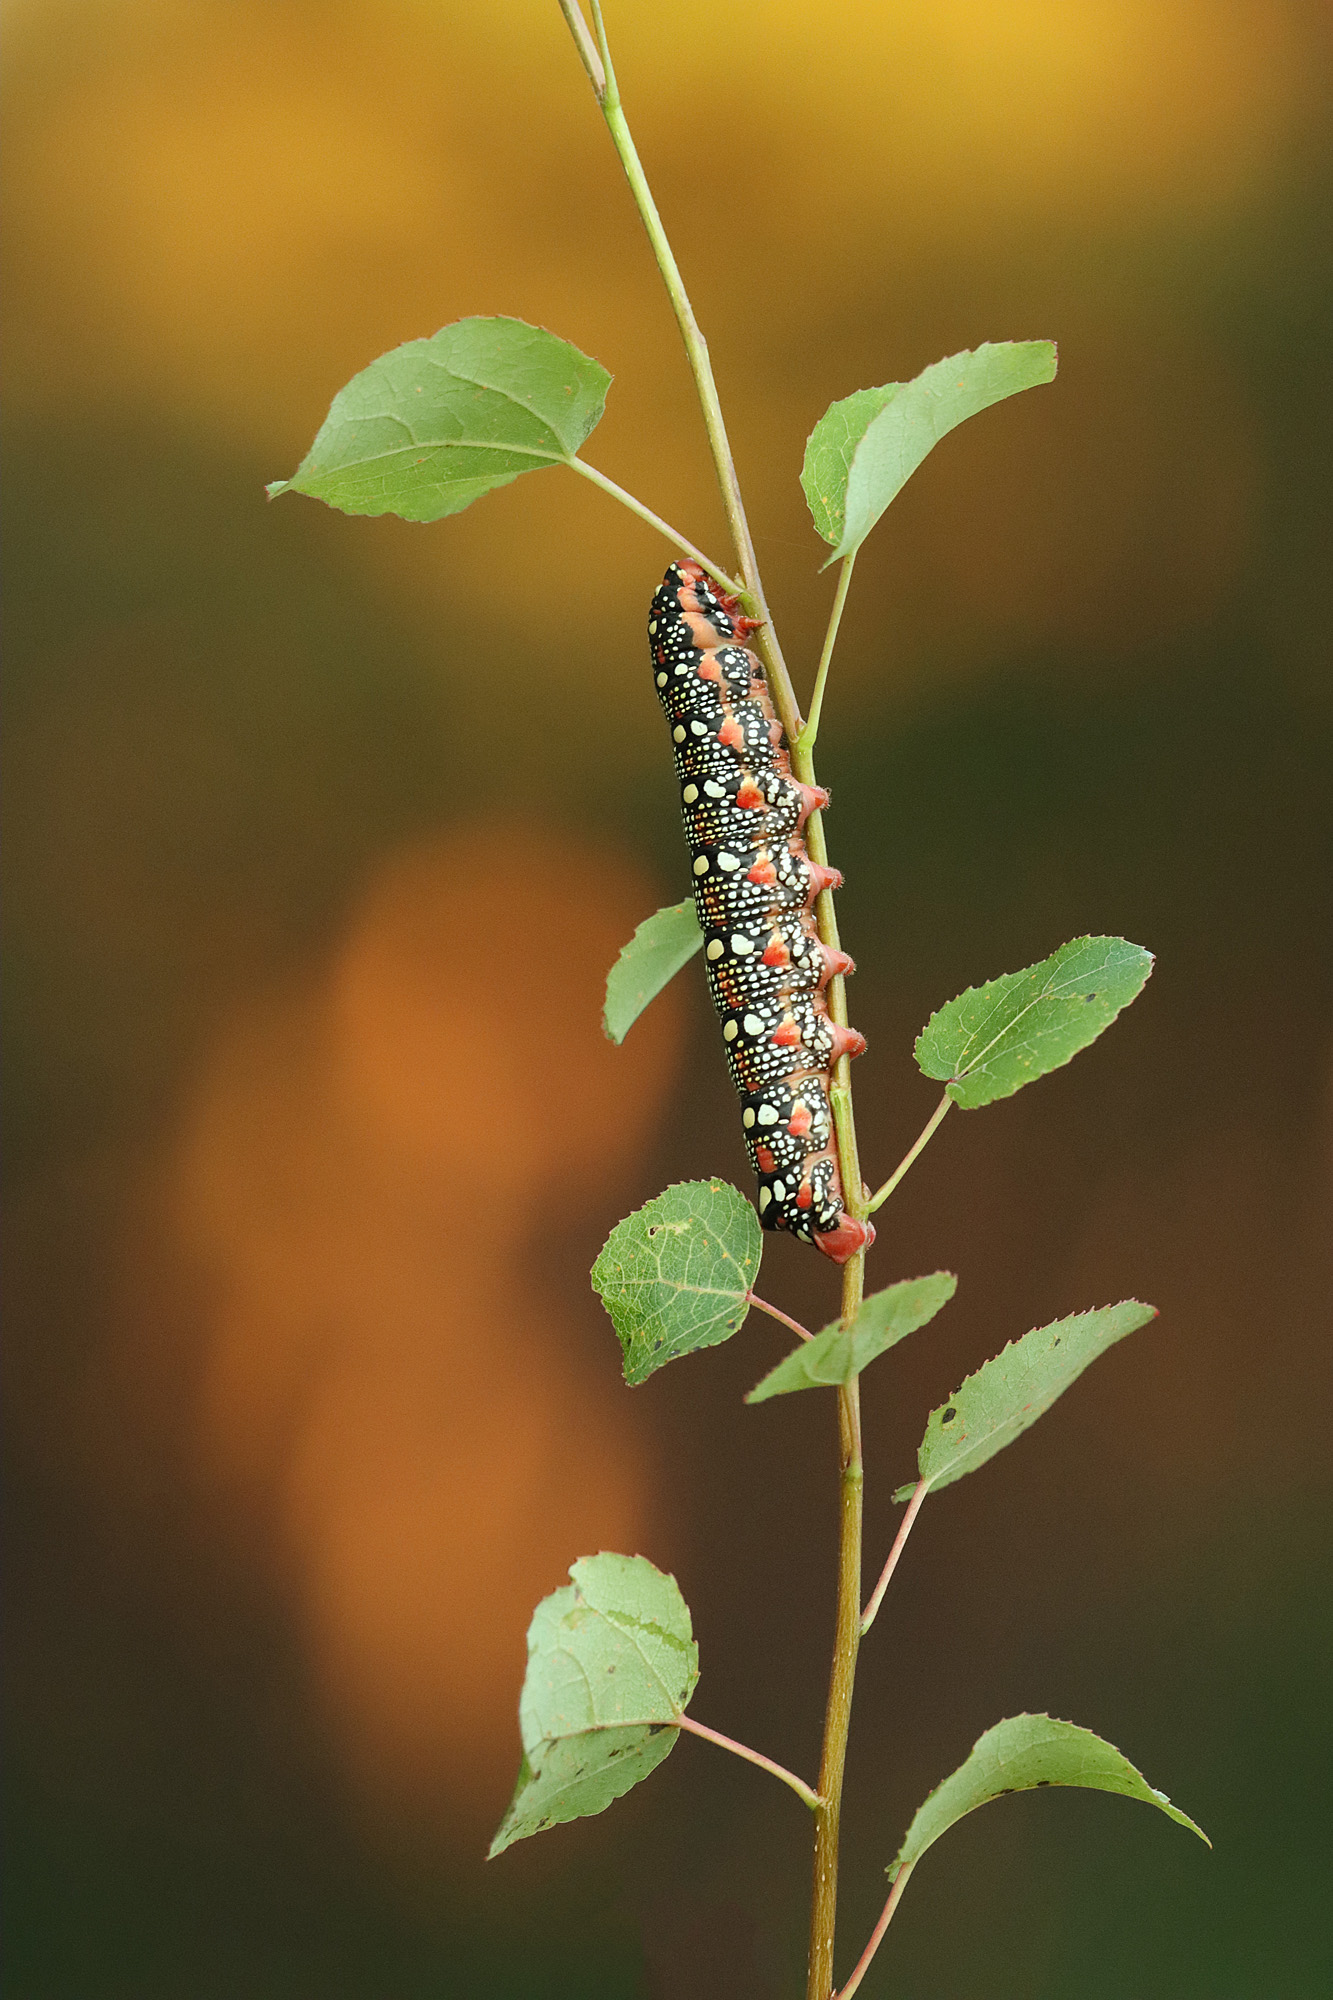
(865, 448)
(612, 1664)
(993, 1039)
(675, 1274)
(1007, 1395)
(427, 429)
(1018, 1755)
(837, 1353)
(830, 449)
(655, 954)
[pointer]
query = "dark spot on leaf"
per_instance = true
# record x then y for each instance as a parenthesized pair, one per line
(656, 1344)
(1089, 996)
(949, 1415)
(656, 1728)
(1041, 1782)
(653, 1228)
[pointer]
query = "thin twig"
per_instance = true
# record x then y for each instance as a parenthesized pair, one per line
(775, 1313)
(585, 45)
(673, 535)
(936, 1120)
(798, 1785)
(899, 1543)
(885, 1918)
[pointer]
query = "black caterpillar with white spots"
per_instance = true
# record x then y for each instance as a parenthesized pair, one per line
(754, 889)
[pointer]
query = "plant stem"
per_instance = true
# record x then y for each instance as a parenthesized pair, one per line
(899, 1543)
(798, 1785)
(810, 734)
(837, 1716)
(673, 535)
(885, 1918)
(881, 1195)
(696, 349)
(775, 1313)
(585, 45)
(842, 1677)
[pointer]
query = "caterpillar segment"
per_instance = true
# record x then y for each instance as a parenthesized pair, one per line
(754, 889)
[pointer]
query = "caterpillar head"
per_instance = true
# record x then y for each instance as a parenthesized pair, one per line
(702, 596)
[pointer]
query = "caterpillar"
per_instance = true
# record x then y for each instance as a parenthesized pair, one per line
(754, 890)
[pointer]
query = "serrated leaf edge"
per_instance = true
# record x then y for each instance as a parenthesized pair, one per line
(969, 992)
(1040, 1715)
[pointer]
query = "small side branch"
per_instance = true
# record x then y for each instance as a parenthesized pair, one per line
(585, 45)
(899, 1543)
(885, 1919)
(673, 535)
(803, 1791)
(774, 1313)
(937, 1119)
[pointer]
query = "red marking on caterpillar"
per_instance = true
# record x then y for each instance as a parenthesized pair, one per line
(754, 888)
(822, 878)
(847, 1042)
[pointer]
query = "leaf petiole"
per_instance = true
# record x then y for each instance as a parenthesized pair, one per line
(673, 535)
(774, 1313)
(899, 1543)
(804, 1792)
(881, 1195)
(876, 1936)
(810, 734)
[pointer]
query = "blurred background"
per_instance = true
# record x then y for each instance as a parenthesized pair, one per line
(323, 832)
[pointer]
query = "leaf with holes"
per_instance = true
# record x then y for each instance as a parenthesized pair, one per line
(1006, 1396)
(661, 945)
(993, 1039)
(837, 1353)
(674, 1275)
(1018, 1755)
(431, 426)
(865, 448)
(612, 1664)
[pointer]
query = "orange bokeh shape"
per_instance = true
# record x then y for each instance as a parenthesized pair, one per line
(420, 1431)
